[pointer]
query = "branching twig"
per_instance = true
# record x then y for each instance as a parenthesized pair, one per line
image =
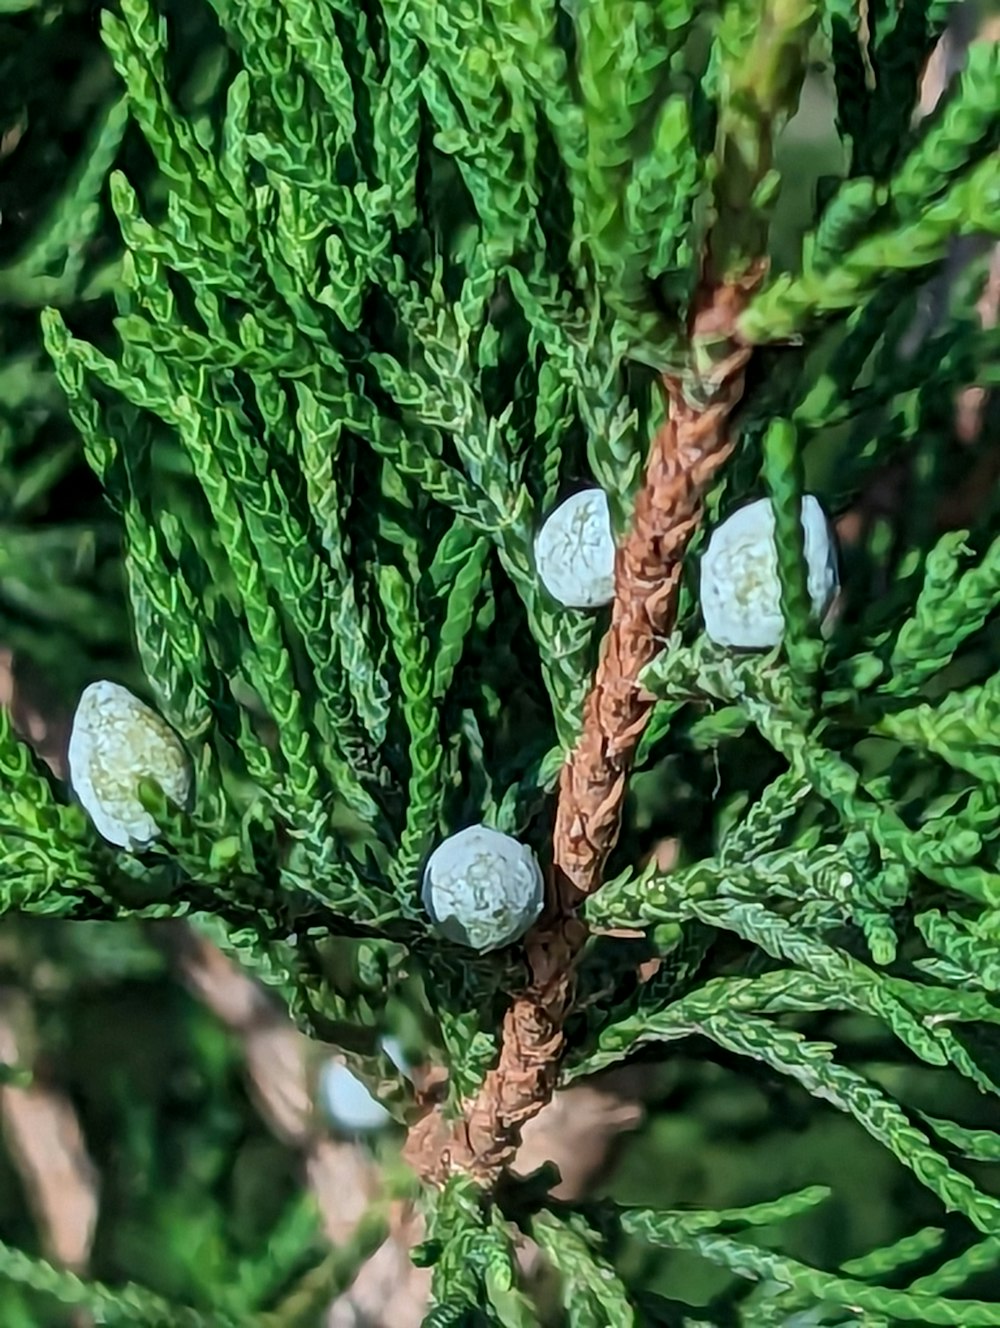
(684, 458)
(343, 1176)
(761, 73)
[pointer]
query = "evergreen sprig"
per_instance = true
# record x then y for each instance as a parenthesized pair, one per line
(389, 285)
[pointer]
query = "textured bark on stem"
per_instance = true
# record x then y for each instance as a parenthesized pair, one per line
(684, 457)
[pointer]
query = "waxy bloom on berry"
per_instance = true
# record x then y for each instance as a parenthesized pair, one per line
(740, 587)
(575, 552)
(117, 740)
(482, 888)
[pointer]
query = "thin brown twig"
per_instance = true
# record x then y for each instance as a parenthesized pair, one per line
(389, 1291)
(48, 1151)
(343, 1177)
(684, 457)
(39, 1122)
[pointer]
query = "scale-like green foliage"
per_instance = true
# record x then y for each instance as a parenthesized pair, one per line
(390, 280)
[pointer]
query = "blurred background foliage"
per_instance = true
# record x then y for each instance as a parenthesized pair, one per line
(195, 1191)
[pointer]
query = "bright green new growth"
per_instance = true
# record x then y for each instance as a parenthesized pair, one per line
(410, 283)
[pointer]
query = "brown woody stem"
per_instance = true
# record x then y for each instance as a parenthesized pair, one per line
(684, 458)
